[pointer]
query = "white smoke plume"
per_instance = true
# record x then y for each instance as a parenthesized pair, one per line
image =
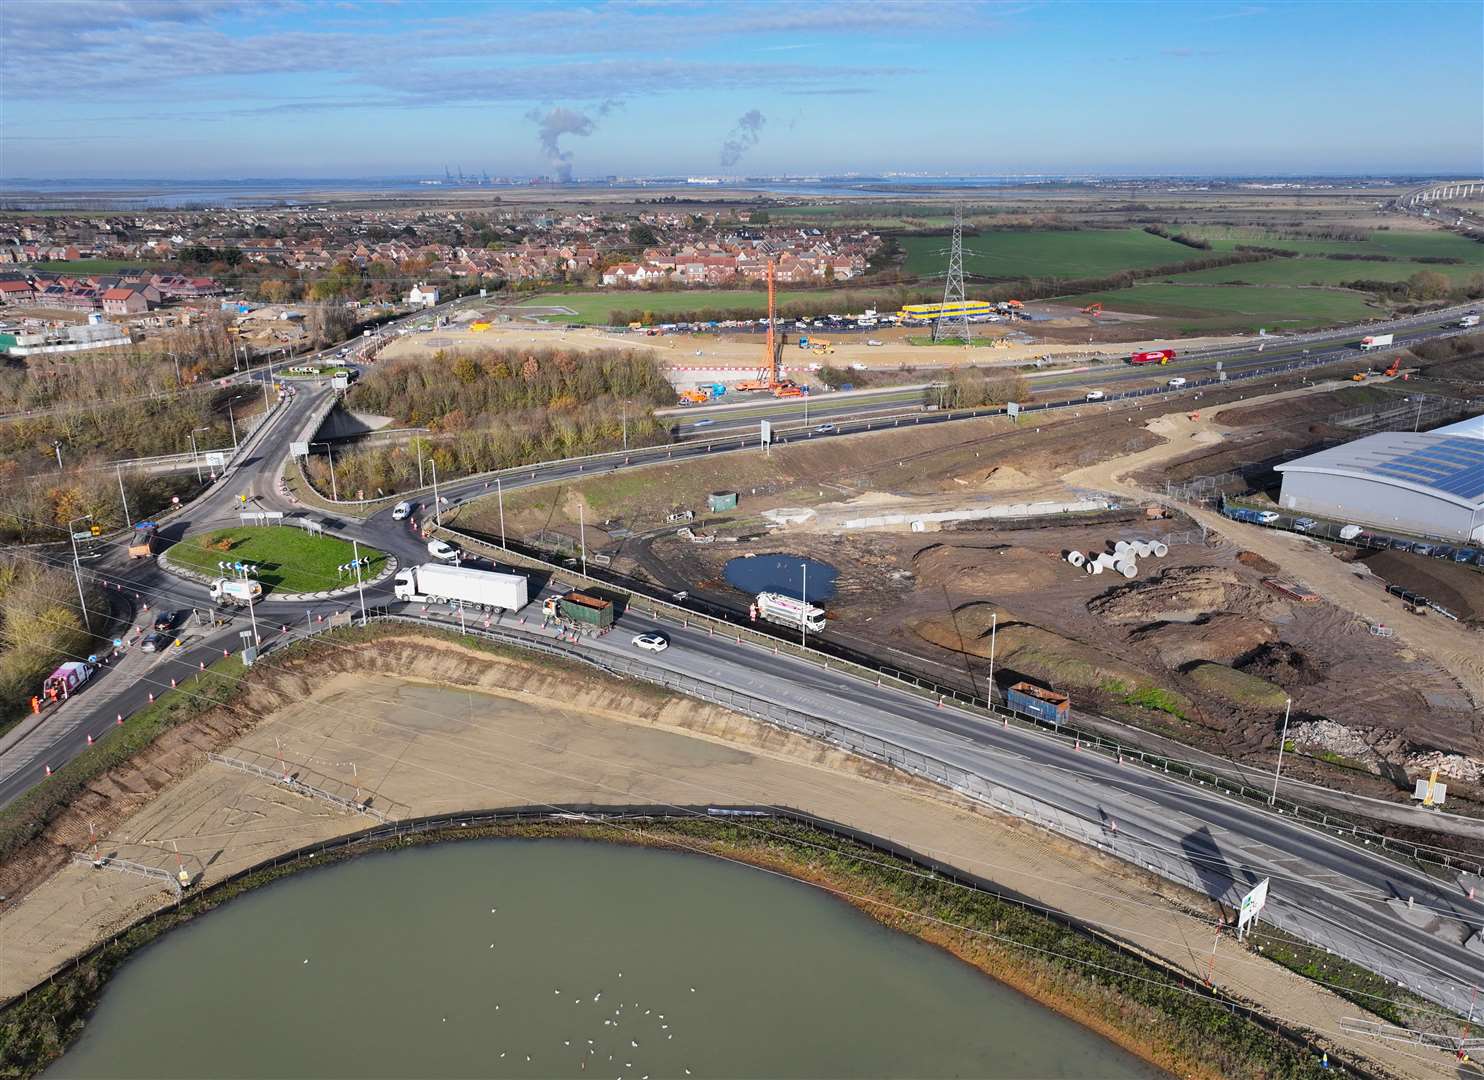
(744, 137)
(552, 125)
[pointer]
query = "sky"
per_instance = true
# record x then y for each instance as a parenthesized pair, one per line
(210, 89)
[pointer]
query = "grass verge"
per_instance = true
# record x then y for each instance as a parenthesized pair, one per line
(289, 560)
(1139, 1004)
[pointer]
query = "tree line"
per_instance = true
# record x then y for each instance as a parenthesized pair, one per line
(499, 408)
(38, 630)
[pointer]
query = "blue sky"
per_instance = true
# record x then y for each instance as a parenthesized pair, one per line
(211, 89)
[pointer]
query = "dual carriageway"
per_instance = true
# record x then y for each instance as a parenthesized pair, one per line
(1415, 925)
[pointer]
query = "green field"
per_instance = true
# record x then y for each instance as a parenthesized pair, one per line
(290, 560)
(93, 266)
(1030, 253)
(1207, 308)
(1397, 243)
(1310, 270)
(593, 307)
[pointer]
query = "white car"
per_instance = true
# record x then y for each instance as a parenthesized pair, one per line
(443, 551)
(1267, 517)
(1094, 395)
(401, 511)
(652, 642)
(873, 343)
(1177, 381)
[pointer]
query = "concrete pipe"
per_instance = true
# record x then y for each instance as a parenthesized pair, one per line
(1095, 567)
(1127, 568)
(1076, 558)
(1120, 546)
(1143, 549)
(1161, 549)
(1106, 560)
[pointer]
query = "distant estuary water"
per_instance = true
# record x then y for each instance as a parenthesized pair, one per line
(562, 958)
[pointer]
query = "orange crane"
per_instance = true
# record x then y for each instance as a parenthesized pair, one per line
(770, 377)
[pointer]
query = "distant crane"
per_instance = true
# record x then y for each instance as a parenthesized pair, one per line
(770, 377)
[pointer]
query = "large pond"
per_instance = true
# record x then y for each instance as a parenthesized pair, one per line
(562, 958)
(786, 574)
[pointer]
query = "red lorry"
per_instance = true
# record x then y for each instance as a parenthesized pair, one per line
(1158, 356)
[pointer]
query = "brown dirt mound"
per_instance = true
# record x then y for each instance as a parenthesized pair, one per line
(967, 629)
(989, 570)
(1284, 664)
(1224, 637)
(1186, 594)
(1236, 687)
(1457, 588)
(1258, 563)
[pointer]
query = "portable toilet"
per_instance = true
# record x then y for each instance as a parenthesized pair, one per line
(721, 500)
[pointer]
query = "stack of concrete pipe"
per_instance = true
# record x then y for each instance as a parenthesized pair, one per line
(1123, 559)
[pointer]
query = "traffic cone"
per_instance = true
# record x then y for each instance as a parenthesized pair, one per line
(1077, 744)
(48, 770)
(225, 654)
(90, 740)
(120, 720)
(152, 697)
(172, 684)
(940, 701)
(203, 665)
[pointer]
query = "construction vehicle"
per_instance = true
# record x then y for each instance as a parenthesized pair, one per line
(770, 378)
(1359, 376)
(236, 592)
(789, 390)
(1093, 309)
(576, 607)
(787, 611)
(142, 544)
(1395, 369)
(694, 397)
(822, 347)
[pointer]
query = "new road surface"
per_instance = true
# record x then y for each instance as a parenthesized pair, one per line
(1419, 929)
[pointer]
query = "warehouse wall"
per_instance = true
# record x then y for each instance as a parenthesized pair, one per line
(1373, 503)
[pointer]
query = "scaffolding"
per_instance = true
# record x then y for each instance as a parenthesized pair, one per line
(301, 780)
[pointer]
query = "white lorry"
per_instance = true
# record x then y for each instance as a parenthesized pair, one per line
(786, 611)
(1468, 321)
(1376, 341)
(461, 585)
(237, 591)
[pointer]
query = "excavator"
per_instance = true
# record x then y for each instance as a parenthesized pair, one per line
(770, 378)
(1094, 310)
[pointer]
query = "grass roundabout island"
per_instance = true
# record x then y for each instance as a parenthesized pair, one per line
(288, 559)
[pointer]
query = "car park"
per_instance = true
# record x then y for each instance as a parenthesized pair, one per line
(652, 642)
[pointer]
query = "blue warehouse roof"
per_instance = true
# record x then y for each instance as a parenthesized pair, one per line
(1449, 467)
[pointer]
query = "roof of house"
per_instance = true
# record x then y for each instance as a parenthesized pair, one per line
(1449, 467)
(118, 294)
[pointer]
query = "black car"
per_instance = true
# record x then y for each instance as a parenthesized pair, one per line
(165, 620)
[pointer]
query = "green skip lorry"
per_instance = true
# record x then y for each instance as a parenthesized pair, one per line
(578, 607)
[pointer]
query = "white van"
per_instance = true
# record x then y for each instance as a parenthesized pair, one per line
(401, 511)
(1094, 395)
(1176, 382)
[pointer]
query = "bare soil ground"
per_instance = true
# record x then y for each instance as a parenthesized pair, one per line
(441, 728)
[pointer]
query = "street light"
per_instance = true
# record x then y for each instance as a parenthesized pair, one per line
(1282, 739)
(82, 603)
(355, 548)
(330, 453)
(196, 454)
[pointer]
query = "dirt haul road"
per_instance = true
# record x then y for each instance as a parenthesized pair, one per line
(1456, 649)
(471, 730)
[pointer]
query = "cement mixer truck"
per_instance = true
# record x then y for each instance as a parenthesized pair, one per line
(236, 592)
(786, 611)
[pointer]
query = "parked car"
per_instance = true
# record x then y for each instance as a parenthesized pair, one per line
(1304, 524)
(1400, 545)
(1423, 549)
(652, 642)
(1466, 555)
(1267, 517)
(155, 643)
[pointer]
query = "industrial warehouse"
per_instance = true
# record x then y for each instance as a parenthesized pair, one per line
(1429, 483)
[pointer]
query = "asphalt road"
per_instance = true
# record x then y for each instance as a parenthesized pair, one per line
(1323, 888)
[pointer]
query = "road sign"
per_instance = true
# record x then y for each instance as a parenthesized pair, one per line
(82, 536)
(766, 430)
(299, 449)
(216, 460)
(340, 382)
(1012, 409)
(1252, 905)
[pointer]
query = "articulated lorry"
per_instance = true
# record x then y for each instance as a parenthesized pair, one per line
(236, 592)
(461, 585)
(786, 611)
(578, 607)
(1376, 341)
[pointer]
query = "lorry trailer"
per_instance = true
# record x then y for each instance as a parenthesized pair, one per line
(1469, 320)
(1041, 703)
(787, 611)
(1156, 356)
(1376, 341)
(579, 607)
(463, 585)
(142, 543)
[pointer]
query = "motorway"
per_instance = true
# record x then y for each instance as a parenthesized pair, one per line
(1323, 888)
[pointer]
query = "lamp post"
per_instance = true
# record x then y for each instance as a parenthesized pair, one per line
(994, 622)
(355, 547)
(196, 454)
(330, 453)
(1282, 740)
(119, 472)
(82, 603)
(437, 505)
(500, 498)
